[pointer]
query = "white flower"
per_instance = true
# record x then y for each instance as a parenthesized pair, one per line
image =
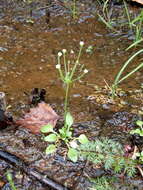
(73, 144)
(72, 52)
(64, 51)
(81, 43)
(58, 66)
(85, 71)
(59, 54)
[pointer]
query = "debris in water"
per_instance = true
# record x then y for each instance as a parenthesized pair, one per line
(36, 96)
(39, 116)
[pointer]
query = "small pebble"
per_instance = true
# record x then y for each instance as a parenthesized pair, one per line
(105, 106)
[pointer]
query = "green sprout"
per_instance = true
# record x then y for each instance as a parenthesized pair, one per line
(106, 16)
(135, 26)
(64, 134)
(10, 180)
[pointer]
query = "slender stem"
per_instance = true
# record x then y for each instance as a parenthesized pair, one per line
(78, 78)
(105, 10)
(118, 80)
(66, 99)
(140, 170)
(79, 54)
(125, 65)
(135, 43)
(114, 87)
(76, 63)
(65, 66)
(60, 71)
(128, 15)
(108, 24)
(68, 66)
(9, 178)
(74, 9)
(133, 71)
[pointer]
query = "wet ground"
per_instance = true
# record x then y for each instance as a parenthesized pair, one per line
(31, 35)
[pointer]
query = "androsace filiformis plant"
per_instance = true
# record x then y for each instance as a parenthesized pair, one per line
(70, 71)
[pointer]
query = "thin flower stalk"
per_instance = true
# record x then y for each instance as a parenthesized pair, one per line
(77, 61)
(66, 99)
(65, 63)
(82, 75)
(68, 72)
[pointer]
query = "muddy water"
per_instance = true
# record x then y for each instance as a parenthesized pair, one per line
(29, 52)
(28, 56)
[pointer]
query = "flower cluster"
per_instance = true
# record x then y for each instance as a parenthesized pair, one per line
(67, 74)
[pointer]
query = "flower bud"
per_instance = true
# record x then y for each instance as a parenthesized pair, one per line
(64, 51)
(59, 54)
(72, 52)
(85, 71)
(81, 43)
(58, 66)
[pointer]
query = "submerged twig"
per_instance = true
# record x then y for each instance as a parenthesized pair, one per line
(46, 180)
(14, 160)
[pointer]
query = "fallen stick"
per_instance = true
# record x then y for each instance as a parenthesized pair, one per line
(14, 160)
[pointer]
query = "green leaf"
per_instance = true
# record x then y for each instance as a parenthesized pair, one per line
(69, 119)
(62, 132)
(137, 131)
(46, 128)
(50, 149)
(139, 123)
(69, 134)
(73, 154)
(137, 154)
(51, 138)
(83, 139)
(142, 153)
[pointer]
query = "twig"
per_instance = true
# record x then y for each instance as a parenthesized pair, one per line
(46, 180)
(14, 160)
(140, 170)
(134, 153)
(134, 157)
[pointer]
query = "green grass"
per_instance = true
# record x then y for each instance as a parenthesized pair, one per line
(119, 78)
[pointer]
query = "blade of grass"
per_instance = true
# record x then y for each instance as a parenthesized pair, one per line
(105, 22)
(134, 44)
(125, 65)
(128, 15)
(133, 71)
